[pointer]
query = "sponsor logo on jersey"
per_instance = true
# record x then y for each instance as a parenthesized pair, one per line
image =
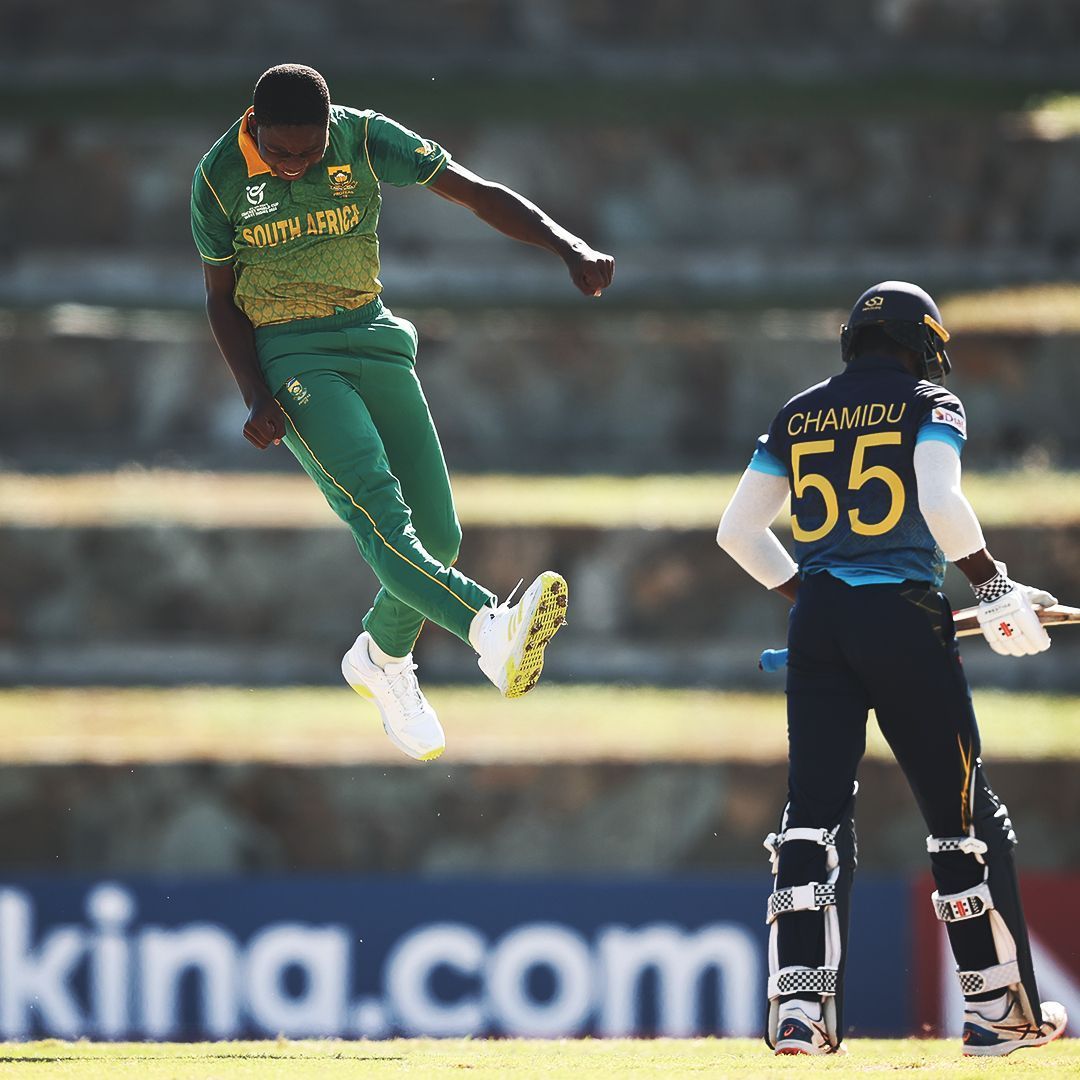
(300, 393)
(953, 419)
(425, 148)
(342, 185)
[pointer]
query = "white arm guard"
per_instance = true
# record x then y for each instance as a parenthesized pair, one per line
(744, 531)
(944, 507)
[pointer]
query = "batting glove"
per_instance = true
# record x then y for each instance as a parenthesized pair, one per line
(1008, 618)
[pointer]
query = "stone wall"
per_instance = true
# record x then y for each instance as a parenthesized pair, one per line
(553, 819)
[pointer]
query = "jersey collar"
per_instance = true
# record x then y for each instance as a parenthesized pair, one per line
(255, 164)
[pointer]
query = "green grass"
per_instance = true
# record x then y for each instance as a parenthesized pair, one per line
(221, 500)
(482, 1059)
(554, 723)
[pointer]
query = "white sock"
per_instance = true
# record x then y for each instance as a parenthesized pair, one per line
(812, 1009)
(994, 1009)
(478, 620)
(380, 658)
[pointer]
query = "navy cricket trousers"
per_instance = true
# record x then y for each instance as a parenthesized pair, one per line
(890, 648)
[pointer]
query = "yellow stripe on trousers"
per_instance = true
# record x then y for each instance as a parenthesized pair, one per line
(374, 527)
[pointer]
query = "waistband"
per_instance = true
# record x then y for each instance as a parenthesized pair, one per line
(824, 577)
(340, 320)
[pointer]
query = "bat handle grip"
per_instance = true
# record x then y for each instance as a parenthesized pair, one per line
(773, 660)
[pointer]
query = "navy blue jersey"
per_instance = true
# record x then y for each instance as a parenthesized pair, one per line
(847, 447)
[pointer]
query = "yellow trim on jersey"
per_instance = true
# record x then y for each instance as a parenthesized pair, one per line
(967, 792)
(255, 164)
(438, 166)
(367, 122)
(374, 527)
(210, 258)
(212, 191)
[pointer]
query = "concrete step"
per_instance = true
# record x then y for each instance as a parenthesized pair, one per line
(591, 389)
(164, 605)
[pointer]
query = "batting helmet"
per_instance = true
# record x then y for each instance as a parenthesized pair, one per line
(909, 316)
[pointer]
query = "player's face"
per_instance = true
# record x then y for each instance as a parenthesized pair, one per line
(291, 149)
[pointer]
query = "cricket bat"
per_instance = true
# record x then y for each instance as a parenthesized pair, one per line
(966, 621)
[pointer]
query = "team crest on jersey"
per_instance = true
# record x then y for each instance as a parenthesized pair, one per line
(953, 419)
(342, 184)
(300, 393)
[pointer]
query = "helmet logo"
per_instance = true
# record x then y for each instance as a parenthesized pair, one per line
(873, 303)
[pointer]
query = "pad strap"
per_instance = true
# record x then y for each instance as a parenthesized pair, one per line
(965, 905)
(824, 837)
(968, 845)
(803, 980)
(992, 978)
(810, 897)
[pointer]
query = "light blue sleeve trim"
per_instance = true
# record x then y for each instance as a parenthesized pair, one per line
(946, 433)
(763, 461)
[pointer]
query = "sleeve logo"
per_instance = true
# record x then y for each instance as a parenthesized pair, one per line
(953, 419)
(342, 184)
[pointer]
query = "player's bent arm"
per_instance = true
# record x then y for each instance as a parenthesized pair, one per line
(1006, 608)
(516, 217)
(745, 532)
(236, 339)
(943, 505)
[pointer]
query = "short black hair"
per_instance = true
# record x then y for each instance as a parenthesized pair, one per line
(291, 94)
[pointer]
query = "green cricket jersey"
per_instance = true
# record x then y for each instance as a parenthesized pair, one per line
(305, 248)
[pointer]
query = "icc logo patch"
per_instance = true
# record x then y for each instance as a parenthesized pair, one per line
(342, 185)
(255, 193)
(300, 393)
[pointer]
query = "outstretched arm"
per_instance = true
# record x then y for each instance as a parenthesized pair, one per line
(236, 340)
(505, 210)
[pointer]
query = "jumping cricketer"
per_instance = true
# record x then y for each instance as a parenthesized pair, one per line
(284, 212)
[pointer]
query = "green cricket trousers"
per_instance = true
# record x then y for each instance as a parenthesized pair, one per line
(358, 422)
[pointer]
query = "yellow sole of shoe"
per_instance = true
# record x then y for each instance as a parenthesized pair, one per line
(548, 615)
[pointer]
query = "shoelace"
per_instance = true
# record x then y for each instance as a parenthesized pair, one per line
(505, 605)
(406, 689)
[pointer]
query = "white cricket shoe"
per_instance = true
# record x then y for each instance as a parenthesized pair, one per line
(987, 1037)
(800, 1029)
(407, 717)
(510, 641)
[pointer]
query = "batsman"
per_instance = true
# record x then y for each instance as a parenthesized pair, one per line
(284, 211)
(870, 460)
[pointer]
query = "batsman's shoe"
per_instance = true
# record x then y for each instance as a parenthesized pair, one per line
(511, 641)
(986, 1037)
(801, 1029)
(407, 717)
